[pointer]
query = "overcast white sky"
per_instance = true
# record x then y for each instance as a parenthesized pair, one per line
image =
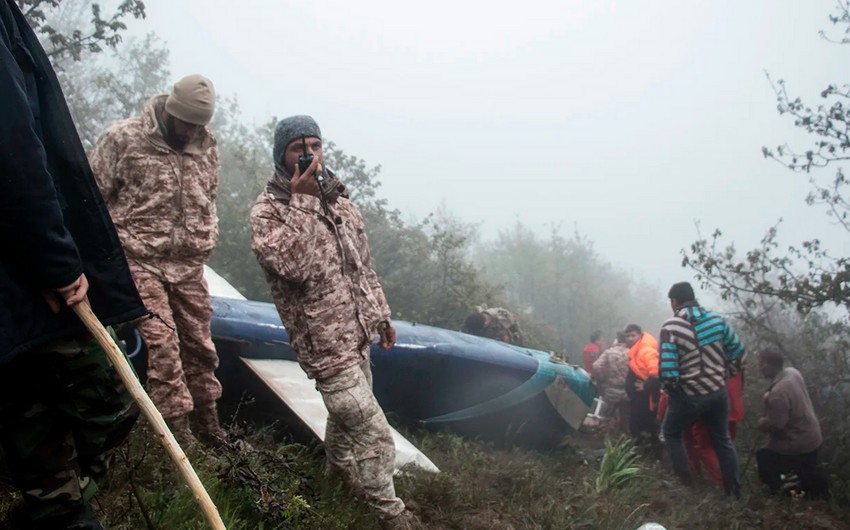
(625, 120)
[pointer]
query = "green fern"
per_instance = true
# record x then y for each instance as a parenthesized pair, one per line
(619, 465)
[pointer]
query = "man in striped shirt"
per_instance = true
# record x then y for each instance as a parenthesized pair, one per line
(698, 353)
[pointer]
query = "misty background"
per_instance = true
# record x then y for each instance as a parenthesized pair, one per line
(554, 158)
(625, 121)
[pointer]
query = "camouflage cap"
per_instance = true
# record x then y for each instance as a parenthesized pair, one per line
(290, 129)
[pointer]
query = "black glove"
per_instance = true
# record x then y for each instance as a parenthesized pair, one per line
(671, 386)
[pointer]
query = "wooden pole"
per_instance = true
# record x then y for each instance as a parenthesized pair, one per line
(116, 357)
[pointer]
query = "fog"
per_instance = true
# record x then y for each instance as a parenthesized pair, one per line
(625, 121)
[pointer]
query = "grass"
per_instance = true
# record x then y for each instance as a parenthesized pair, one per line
(618, 466)
(587, 483)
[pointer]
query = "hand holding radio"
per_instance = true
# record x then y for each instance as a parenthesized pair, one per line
(305, 159)
(304, 181)
(306, 178)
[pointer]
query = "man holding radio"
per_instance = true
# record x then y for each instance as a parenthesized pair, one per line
(310, 241)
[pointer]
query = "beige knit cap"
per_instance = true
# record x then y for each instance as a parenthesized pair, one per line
(192, 100)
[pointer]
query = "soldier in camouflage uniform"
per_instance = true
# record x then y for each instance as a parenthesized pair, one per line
(609, 373)
(495, 323)
(58, 468)
(158, 174)
(312, 246)
(62, 407)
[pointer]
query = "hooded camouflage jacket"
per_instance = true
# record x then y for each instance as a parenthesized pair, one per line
(501, 324)
(320, 271)
(610, 371)
(162, 202)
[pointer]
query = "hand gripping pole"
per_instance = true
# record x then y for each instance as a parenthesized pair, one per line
(128, 377)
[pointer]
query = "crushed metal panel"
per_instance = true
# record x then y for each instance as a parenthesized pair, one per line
(569, 406)
(289, 382)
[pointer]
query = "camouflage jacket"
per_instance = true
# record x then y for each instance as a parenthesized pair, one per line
(162, 202)
(610, 370)
(320, 271)
(502, 325)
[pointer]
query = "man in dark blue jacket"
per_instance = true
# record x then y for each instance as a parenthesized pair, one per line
(62, 407)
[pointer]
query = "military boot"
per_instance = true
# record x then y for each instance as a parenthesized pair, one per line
(406, 520)
(181, 430)
(209, 428)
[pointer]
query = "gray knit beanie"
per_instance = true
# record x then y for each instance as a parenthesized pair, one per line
(192, 100)
(289, 130)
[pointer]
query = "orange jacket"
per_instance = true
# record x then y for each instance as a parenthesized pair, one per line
(643, 357)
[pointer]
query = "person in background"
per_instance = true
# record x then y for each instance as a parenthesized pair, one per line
(592, 350)
(642, 385)
(793, 429)
(609, 373)
(494, 323)
(63, 408)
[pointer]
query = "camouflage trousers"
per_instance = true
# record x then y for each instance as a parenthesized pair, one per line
(63, 409)
(181, 355)
(358, 440)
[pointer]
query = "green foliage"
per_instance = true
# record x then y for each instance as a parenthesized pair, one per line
(360, 180)
(786, 297)
(273, 478)
(482, 487)
(77, 39)
(619, 465)
(100, 87)
(424, 269)
(819, 346)
(99, 94)
(560, 291)
(246, 166)
(560, 288)
(807, 275)
(280, 485)
(565, 285)
(479, 487)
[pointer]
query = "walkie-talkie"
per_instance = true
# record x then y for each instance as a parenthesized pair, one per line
(304, 161)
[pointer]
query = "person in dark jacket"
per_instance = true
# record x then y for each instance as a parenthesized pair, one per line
(62, 406)
(793, 429)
